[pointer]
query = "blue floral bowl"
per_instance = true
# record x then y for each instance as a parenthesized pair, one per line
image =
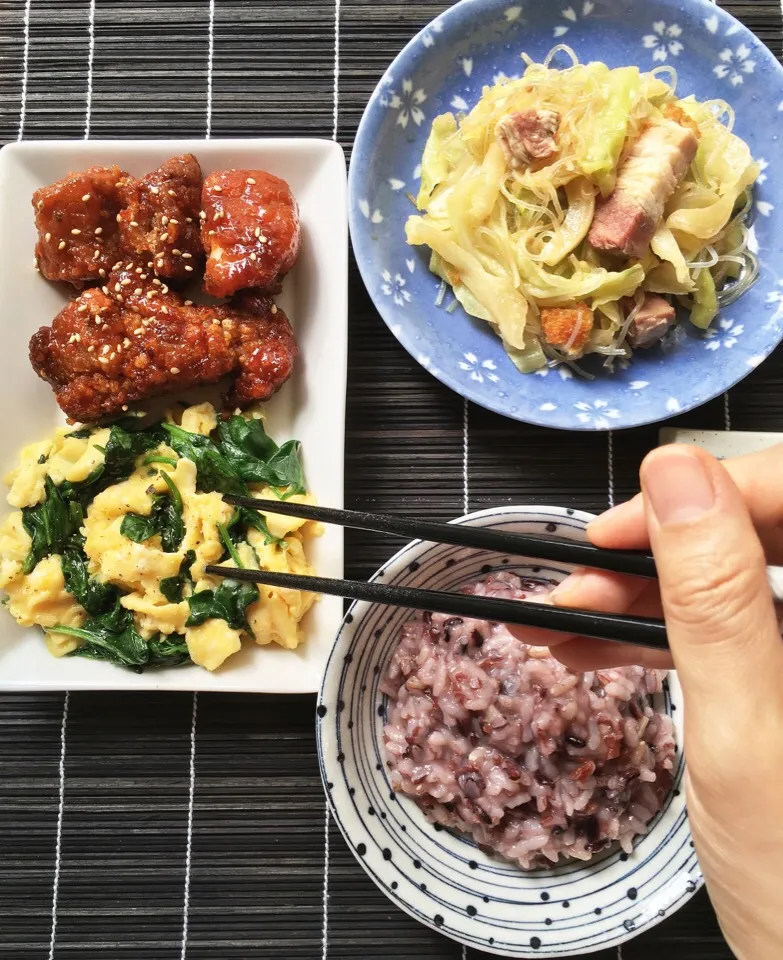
(444, 68)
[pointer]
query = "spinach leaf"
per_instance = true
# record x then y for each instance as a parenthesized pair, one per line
(245, 518)
(96, 598)
(229, 602)
(168, 651)
(165, 518)
(257, 458)
(113, 637)
(214, 470)
(172, 587)
(138, 528)
(82, 434)
(50, 523)
(42, 459)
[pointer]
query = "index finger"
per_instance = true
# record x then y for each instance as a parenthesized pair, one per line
(759, 477)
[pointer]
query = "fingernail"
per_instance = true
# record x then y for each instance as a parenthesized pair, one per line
(571, 583)
(677, 485)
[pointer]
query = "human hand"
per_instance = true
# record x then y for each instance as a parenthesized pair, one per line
(712, 529)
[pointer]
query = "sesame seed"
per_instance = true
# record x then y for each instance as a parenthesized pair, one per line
(90, 349)
(187, 256)
(105, 289)
(188, 219)
(156, 282)
(262, 238)
(149, 264)
(48, 236)
(188, 303)
(175, 370)
(164, 309)
(154, 190)
(105, 327)
(128, 266)
(137, 270)
(189, 268)
(117, 265)
(258, 231)
(138, 291)
(220, 214)
(151, 294)
(105, 348)
(217, 188)
(125, 281)
(124, 407)
(216, 321)
(250, 180)
(160, 264)
(40, 204)
(101, 272)
(77, 337)
(102, 360)
(164, 220)
(98, 231)
(117, 287)
(211, 233)
(96, 255)
(175, 222)
(138, 331)
(119, 300)
(274, 308)
(171, 193)
(143, 276)
(253, 256)
(61, 245)
(86, 197)
(164, 237)
(83, 308)
(202, 215)
(177, 253)
(72, 338)
(112, 355)
(119, 349)
(118, 218)
(164, 289)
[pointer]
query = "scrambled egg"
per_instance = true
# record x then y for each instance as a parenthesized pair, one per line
(40, 597)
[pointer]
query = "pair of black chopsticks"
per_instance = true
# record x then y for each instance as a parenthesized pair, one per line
(639, 631)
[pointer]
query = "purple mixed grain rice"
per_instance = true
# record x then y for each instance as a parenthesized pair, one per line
(496, 738)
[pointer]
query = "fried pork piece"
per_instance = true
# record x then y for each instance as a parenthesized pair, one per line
(250, 230)
(625, 222)
(567, 328)
(134, 339)
(77, 225)
(160, 222)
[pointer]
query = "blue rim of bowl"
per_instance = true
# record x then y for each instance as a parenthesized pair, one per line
(396, 565)
(461, 388)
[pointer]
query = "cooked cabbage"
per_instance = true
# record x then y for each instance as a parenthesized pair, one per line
(508, 228)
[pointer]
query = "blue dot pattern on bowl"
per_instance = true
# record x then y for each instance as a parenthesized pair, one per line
(444, 68)
(444, 880)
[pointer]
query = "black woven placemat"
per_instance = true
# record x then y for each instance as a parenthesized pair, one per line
(97, 828)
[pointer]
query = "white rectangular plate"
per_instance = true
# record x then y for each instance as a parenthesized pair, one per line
(310, 407)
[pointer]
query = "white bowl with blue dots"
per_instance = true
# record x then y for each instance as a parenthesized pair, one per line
(443, 879)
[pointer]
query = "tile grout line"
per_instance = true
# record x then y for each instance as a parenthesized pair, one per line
(189, 830)
(465, 457)
(25, 70)
(90, 61)
(335, 132)
(59, 832)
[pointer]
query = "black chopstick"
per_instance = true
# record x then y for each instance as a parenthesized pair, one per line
(639, 631)
(555, 549)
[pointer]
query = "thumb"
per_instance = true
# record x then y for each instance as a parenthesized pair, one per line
(721, 620)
